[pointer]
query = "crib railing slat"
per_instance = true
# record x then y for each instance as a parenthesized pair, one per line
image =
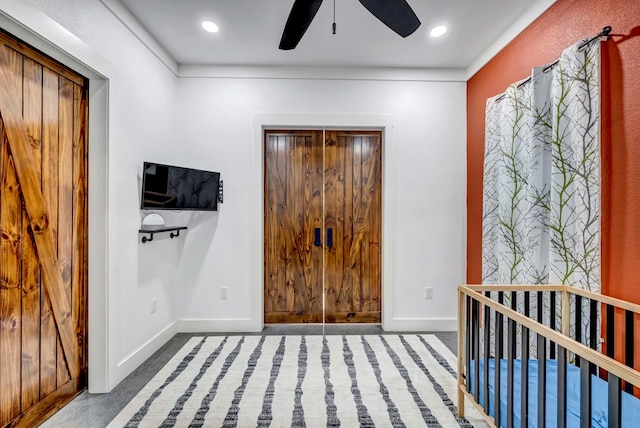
(578, 318)
(540, 307)
(615, 402)
(593, 330)
(467, 346)
(611, 330)
(552, 322)
(496, 372)
(578, 322)
(500, 333)
(542, 380)
(524, 377)
(629, 345)
(585, 393)
(487, 353)
(593, 325)
(475, 321)
(562, 387)
(511, 355)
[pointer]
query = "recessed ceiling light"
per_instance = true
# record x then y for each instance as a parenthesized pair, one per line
(438, 31)
(210, 26)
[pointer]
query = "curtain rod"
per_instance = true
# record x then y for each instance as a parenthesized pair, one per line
(606, 32)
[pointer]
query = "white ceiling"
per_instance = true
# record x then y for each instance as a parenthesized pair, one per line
(250, 32)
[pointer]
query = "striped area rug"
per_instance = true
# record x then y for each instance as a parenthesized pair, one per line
(303, 381)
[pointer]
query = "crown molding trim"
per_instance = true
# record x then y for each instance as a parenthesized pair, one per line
(321, 73)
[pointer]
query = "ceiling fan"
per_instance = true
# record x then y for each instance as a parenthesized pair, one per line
(395, 14)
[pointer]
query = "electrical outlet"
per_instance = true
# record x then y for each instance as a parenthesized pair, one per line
(428, 293)
(154, 305)
(224, 293)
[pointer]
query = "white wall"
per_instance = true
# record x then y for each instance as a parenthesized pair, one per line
(140, 125)
(427, 192)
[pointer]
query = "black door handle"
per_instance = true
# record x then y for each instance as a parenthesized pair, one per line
(317, 241)
(330, 237)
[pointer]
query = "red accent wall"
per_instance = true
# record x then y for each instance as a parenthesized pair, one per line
(565, 23)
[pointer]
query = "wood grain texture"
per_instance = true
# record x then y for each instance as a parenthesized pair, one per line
(10, 264)
(80, 216)
(293, 203)
(333, 219)
(48, 405)
(353, 202)
(18, 139)
(461, 353)
(24, 49)
(32, 113)
(301, 169)
(43, 222)
(50, 170)
(65, 210)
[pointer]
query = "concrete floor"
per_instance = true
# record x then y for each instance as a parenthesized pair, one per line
(97, 410)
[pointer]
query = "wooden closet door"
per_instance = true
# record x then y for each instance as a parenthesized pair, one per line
(43, 234)
(293, 212)
(353, 212)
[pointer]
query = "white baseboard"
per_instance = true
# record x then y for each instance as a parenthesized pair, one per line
(219, 326)
(421, 324)
(132, 361)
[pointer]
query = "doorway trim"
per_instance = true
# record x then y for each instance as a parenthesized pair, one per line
(262, 121)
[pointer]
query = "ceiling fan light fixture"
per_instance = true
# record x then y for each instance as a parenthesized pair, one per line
(438, 31)
(209, 26)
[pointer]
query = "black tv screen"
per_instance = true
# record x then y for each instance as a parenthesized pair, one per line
(166, 187)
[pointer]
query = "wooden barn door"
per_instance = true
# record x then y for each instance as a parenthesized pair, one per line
(293, 221)
(323, 206)
(353, 213)
(43, 234)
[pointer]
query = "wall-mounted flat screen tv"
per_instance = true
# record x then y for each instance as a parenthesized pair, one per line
(166, 187)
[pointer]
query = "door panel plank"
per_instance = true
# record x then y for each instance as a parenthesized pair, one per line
(10, 291)
(302, 204)
(32, 112)
(304, 157)
(354, 267)
(50, 171)
(315, 282)
(65, 207)
(365, 260)
(15, 129)
(281, 195)
(343, 303)
(79, 216)
(332, 187)
(272, 267)
(375, 235)
(293, 254)
(10, 264)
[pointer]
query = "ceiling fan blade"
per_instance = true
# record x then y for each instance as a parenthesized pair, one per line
(396, 14)
(300, 17)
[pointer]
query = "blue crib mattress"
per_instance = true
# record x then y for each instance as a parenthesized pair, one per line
(599, 396)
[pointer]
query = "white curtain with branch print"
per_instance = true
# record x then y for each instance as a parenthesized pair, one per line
(541, 207)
